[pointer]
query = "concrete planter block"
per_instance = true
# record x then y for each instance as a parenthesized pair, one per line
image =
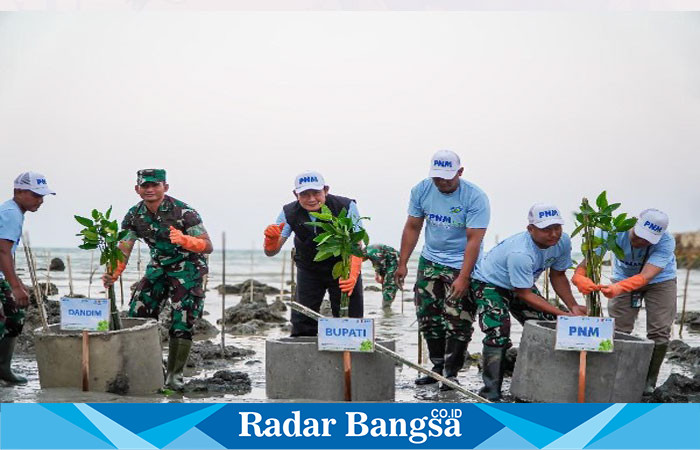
(543, 374)
(295, 369)
(124, 361)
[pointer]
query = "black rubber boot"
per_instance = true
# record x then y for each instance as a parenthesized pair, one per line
(436, 352)
(7, 349)
(493, 364)
(178, 351)
(454, 361)
(657, 358)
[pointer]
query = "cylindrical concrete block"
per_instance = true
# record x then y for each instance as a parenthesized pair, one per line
(543, 374)
(124, 361)
(296, 369)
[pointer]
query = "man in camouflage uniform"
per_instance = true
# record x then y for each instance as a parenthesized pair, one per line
(385, 260)
(503, 282)
(30, 189)
(178, 242)
(456, 214)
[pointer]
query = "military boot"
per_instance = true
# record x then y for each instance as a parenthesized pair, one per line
(657, 358)
(7, 349)
(454, 360)
(436, 352)
(492, 372)
(178, 351)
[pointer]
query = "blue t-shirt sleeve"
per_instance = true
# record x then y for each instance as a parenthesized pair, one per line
(287, 230)
(662, 254)
(354, 214)
(414, 207)
(520, 268)
(478, 211)
(563, 261)
(11, 225)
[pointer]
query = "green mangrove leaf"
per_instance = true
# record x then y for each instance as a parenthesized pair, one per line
(84, 221)
(602, 201)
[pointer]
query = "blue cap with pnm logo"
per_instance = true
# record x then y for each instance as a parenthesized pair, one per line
(651, 225)
(32, 181)
(444, 164)
(543, 215)
(309, 180)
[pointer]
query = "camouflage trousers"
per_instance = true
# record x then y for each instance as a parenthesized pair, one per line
(439, 316)
(183, 286)
(11, 316)
(389, 286)
(494, 306)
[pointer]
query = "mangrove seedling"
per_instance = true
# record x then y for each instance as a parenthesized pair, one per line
(599, 228)
(103, 234)
(339, 239)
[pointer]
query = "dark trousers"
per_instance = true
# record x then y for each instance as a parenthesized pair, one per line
(311, 288)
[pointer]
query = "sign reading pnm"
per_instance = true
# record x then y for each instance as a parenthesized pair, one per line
(84, 314)
(338, 335)
(593, 334)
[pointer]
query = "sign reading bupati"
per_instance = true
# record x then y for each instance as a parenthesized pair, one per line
(84, 314)
(593, 334)
(339, 335)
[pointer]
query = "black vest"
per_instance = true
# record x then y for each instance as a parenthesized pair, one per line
(304, 235)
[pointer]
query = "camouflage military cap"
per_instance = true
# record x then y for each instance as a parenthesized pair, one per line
(150, 176)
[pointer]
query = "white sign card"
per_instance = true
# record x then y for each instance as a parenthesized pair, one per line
(345, 334)
(593, 334)
(85, 314)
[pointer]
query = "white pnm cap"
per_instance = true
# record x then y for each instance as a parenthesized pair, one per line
(444, 164)
(543, 215)
(309, 180)
(34, 182)
(651, 225)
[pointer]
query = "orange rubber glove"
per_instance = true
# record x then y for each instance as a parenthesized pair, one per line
(191, 243)
(584, 284)
(272, 236)
(627, 285)
(121, 265)
(347, 285)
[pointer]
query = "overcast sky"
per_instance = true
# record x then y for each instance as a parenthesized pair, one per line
(542, 107)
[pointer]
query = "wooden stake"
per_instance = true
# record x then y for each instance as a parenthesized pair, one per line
(401, 289)
(35, 283)
(347, 371)
(685, 295)
(420, 348)
(48, 275)
(293, 285)
(223, 294)
(85, 366)
(284, 263)
(252, 284)
(70, 277)
(121, 289)
(92, 261)
(582, 377)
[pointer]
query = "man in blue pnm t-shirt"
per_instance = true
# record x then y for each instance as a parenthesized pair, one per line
(503, 283)
(456, 214)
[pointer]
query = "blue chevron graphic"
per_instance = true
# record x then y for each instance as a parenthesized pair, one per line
(582, 435)
(146, 415)
(631, 411)
(161, 435)
(71, 413)
(506, 439)
(120, 436)
(194, 439)
(530, 431)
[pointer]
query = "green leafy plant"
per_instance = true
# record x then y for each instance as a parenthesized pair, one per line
(339, 239)
(103, 325)
(599, 228)
(103, 234)
(605, 346)
(366, 346)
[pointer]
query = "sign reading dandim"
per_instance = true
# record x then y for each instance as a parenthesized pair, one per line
(355, 335)
(84, 314)
(594, 334)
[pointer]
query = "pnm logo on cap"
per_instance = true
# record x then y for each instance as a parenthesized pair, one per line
(652, 226)
(549, 213)
(308, 180)
(442, 163)
(40, 181)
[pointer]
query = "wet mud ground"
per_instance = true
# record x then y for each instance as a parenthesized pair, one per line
(389, 324)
